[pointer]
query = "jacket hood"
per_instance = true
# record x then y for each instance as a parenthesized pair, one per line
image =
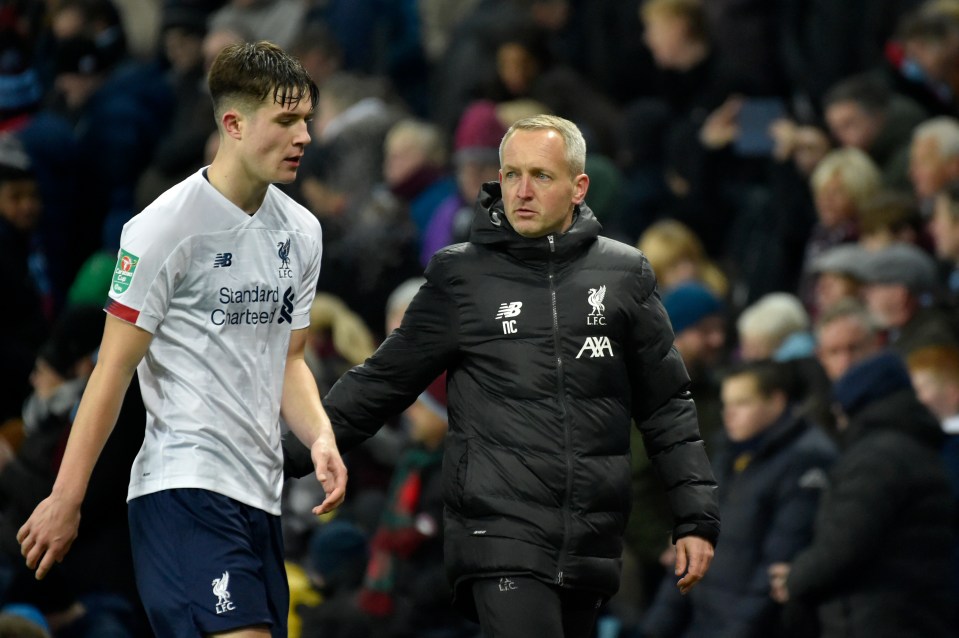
(491, 228)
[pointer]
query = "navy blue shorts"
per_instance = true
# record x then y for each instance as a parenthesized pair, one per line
(206, 563)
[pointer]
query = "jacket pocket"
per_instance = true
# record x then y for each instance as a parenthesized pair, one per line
(454, 474)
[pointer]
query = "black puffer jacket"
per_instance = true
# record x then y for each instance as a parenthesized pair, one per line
(552, 345)
(878, 563)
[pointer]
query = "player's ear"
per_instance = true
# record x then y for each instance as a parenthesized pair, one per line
(232, 122)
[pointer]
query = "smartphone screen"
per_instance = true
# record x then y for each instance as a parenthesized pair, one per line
(755, 117)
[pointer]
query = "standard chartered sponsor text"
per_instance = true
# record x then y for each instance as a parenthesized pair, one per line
(228, 316)
(257, 294)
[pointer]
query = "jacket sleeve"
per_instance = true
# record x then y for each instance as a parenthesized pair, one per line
(401, 368)
(387, 383)
(666, 417)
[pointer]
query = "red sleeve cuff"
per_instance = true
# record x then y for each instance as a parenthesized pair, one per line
(120, 311)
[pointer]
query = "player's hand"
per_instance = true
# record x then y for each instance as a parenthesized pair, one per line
(330, 472)
(693, 556)
(47, 535)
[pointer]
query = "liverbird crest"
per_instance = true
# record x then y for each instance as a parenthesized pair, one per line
(595, 299)
(284, 252)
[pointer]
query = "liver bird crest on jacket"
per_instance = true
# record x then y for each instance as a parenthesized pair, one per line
(595, 299)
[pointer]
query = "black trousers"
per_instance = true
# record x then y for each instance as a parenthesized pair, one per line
(524, 607)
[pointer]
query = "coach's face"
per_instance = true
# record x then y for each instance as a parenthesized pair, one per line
(539, 189)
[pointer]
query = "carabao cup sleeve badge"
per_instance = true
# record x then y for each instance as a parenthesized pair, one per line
(124, 270)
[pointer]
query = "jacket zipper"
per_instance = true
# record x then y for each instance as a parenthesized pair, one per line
(563, 413)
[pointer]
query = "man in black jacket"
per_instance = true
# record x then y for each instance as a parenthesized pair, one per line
(878, 562)
(553, 339)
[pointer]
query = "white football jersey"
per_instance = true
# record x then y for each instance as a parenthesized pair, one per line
(220, 291)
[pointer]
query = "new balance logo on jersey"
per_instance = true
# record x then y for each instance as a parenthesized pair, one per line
(223, 260)
(223, 603)
(506, 311)
(597, 347)
(287, 309)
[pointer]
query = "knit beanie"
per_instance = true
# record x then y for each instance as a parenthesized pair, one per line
(869, 380)
(338, 552)
(478, 133)
(689, 303)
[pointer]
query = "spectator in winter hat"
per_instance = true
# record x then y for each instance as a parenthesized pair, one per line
(838, 275)
(898, 279)
(699, 322)
(338, 553)
(475, 161)
(337, 556)
(80, 69)
(697, 317)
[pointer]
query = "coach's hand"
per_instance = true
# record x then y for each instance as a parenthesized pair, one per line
(693, 556)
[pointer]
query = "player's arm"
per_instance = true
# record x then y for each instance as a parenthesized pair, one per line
(47, 535)
(303, 412)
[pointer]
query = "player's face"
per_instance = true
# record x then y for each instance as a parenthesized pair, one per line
(539, 190)
(276, 137)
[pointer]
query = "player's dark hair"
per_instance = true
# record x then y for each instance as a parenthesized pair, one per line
(247, 73)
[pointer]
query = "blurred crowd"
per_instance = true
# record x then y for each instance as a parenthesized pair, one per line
(790, 168)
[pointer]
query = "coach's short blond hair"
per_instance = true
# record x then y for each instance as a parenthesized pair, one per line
(572, 138)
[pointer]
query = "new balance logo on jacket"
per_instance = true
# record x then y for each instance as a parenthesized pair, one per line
(509, 310)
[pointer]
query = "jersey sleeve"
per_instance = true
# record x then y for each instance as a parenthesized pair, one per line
(143, 278)
(311, 277)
